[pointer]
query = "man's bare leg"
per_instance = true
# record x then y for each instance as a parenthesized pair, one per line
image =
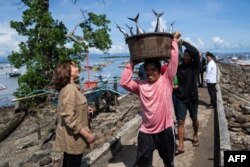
(181, 133)
(195, 136)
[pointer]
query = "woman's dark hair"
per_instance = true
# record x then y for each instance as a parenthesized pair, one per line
(62, 75)
(154, 62)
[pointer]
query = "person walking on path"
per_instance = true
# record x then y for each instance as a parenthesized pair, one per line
(155, 93)
(203, 64)
(211, 79)
(72, 132)
(187, 93)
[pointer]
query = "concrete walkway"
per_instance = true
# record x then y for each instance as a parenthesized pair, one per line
(193, 156)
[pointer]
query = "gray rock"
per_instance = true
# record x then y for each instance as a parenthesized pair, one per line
(241, 119)
(44, 152)
(26, 145)
(45, 161)
(235, 129)
(241, 84)
(4, 164)
(239, 90)
(34, 158)
(46, 146)
(224, 80)
(247, 130)
(246, 125)
(225, 98)
(230, 112)
(231, 100)
(28, 164)
(236, 106)
(39, 155)
(246, 109)
(232, 124)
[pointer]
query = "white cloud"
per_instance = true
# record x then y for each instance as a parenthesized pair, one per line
(163, 25)
(219, 43)
(198, 43)
(115, 48)
(9, 39)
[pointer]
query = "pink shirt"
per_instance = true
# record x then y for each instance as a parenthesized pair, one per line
(156, 98)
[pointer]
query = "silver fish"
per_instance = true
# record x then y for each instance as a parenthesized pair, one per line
(130, 29)
(158, 26)
(171, 27)
(122, 31)
(138, 28)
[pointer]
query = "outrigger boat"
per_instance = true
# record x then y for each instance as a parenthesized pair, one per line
(14, 73)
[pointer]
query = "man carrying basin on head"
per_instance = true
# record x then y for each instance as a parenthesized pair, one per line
(187, 93)
(155, 93)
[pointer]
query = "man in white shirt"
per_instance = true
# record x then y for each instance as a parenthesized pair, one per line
(211, 73)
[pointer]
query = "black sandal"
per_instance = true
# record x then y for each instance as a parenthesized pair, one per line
(177, 152)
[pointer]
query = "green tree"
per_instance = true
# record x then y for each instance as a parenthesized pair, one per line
(45, 45)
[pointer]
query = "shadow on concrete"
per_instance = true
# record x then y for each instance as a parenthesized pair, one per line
(185, 138)
(216, 140)
(127, 156)
(203, 103)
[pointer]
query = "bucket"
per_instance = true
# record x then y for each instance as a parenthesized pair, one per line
(150, 46)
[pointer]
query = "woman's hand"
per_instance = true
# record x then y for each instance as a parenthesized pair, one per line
(87, 135)
(90, 138)
(90, 109)
(177, 37)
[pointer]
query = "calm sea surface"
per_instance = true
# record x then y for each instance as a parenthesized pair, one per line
(107, 72)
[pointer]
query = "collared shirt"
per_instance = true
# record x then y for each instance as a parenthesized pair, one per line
(72, 113)
(211, 72)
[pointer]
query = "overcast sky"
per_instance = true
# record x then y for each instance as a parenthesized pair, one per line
(214, 25)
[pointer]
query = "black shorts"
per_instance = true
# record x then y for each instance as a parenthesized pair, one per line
(181, 108)
(164, 142)
(71, 160)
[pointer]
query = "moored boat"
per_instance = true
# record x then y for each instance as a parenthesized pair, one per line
(15, 73)
(234, 59)
(2, 87)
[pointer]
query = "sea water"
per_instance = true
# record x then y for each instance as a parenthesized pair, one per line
(107, 73)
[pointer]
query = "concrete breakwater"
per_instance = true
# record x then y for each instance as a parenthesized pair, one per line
(235, 88)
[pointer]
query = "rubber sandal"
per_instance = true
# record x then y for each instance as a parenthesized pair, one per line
(177, 152)
(195, 143)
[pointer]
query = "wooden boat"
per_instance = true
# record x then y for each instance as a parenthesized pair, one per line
(14, 73)
(97, 67)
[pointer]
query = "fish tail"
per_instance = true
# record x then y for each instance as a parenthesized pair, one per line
(134, 19)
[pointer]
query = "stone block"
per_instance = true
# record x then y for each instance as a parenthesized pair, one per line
(45, 161)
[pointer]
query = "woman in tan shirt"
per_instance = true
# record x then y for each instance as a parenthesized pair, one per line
(72, 133)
